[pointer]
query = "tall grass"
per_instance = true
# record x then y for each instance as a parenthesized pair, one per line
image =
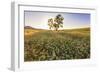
(57, 45)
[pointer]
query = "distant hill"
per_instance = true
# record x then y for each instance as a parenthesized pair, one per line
(85, 29)
(29, 27)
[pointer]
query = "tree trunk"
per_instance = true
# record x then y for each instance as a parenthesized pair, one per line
(56, 29)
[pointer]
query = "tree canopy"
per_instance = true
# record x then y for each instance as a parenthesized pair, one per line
(56, 23)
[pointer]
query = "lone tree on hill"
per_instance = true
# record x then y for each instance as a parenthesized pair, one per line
(56, 23)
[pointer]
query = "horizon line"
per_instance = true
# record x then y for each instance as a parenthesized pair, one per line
(60, 28)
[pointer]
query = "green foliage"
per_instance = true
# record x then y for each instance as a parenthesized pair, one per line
(50, 23)
(62, 45)
(56, 23)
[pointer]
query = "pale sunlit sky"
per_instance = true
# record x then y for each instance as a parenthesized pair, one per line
(71, 20)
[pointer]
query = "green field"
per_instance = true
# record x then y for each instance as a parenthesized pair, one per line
(41, 45)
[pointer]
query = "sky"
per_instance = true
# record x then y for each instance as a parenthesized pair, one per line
(71, 20)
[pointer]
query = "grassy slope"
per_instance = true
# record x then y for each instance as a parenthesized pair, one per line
(57, 45)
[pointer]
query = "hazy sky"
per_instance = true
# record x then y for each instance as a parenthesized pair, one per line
(71, 20)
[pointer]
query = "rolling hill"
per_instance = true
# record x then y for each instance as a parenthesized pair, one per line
(41, 45)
